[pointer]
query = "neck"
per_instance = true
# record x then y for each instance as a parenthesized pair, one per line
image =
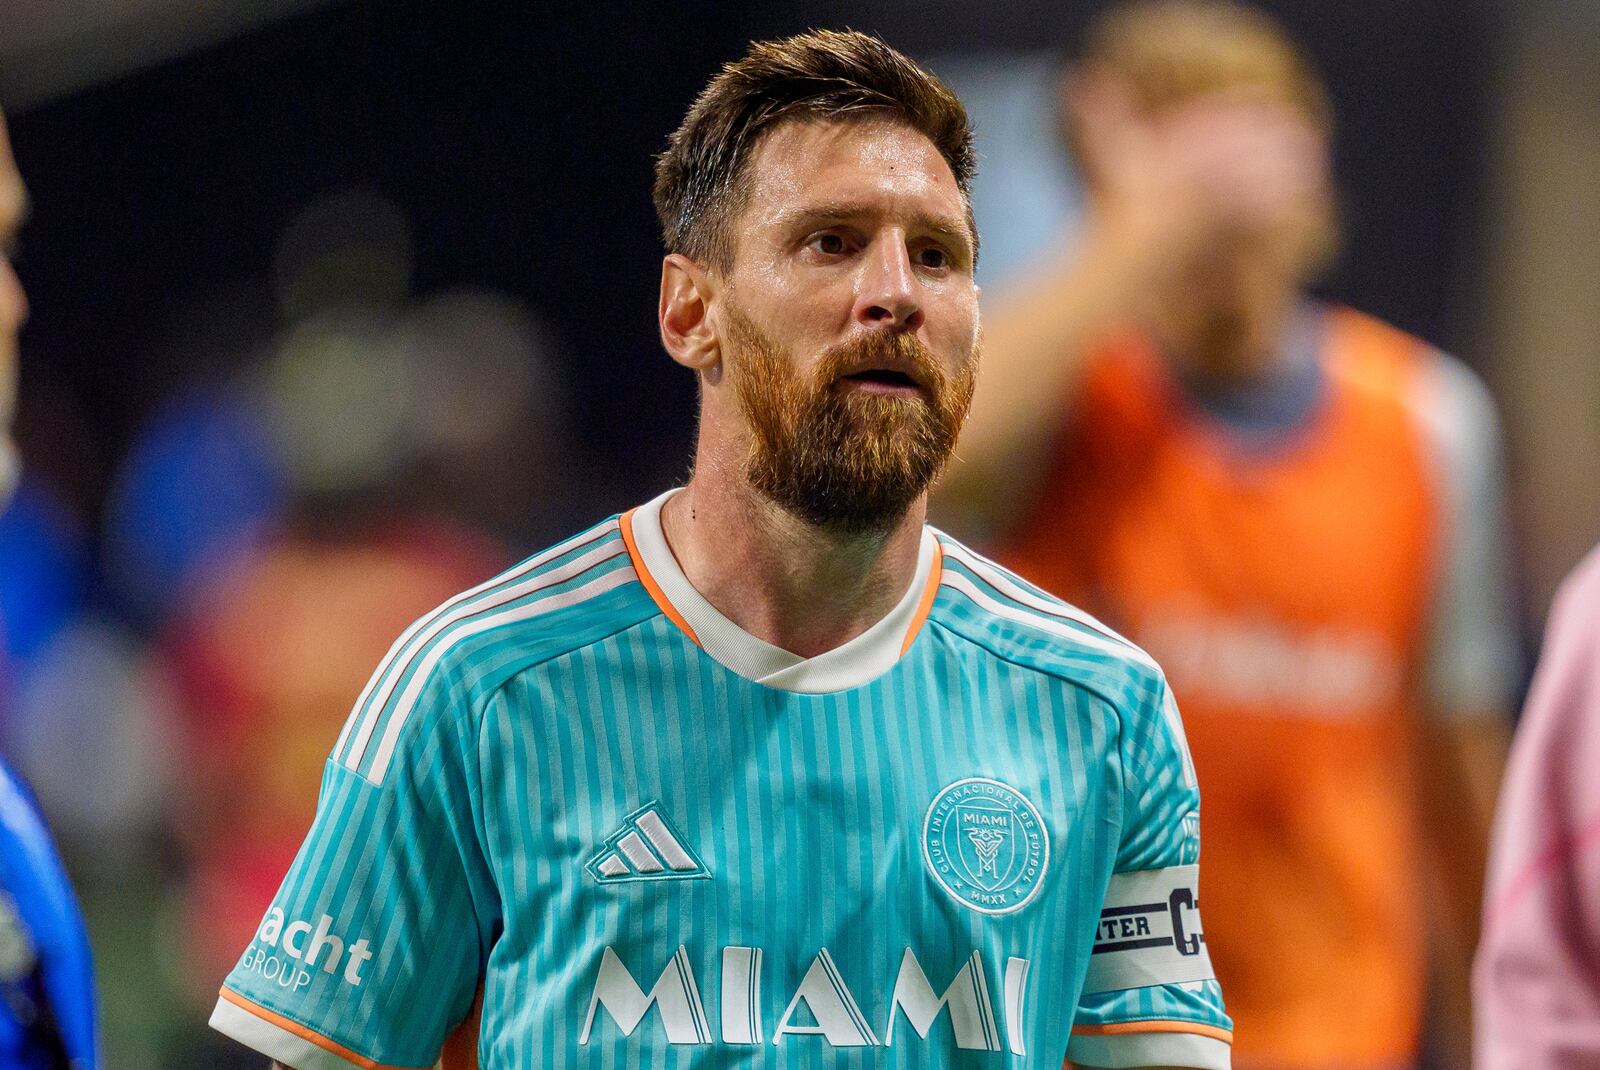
(799, 587)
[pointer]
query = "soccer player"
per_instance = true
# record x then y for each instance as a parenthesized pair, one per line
(1294, 507)
(1537, 976)
(764, 771)
(47, 1004)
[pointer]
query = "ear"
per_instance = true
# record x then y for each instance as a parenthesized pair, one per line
(687, 332)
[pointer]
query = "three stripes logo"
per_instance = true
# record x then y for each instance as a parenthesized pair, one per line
(645, 848)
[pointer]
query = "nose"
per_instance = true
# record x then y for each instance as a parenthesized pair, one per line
(889, 294)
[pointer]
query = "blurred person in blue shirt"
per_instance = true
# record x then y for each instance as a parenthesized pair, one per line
(47, 1005)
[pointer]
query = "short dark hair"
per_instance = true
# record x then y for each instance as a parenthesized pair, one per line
(824, 74)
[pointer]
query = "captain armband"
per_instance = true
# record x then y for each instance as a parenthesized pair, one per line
(1149, 932)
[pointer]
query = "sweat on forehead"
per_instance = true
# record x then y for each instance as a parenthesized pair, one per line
(816, 174)
(822, 75)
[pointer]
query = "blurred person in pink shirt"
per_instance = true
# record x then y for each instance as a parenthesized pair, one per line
(1537, 976)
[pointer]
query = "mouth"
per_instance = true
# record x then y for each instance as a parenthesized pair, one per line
(881, 381)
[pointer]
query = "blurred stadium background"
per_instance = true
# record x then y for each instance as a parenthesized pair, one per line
(338, 307)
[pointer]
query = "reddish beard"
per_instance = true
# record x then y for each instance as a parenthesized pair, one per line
(841, 458)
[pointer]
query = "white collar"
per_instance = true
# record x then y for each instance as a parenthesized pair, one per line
(862, 659)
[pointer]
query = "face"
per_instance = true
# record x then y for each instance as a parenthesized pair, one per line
(848, 322)
(1285, 234)
(1285, 250)
(13, 307)
(1239, 177)
(1232, 305)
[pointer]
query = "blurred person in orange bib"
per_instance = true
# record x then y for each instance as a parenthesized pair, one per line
(1294, 507)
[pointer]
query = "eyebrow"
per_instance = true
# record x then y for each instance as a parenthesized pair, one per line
(951, 228)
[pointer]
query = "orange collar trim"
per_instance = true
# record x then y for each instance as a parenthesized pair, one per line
(929, 593)
(649, 581)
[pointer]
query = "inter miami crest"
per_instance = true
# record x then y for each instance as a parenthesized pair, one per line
(986, 845)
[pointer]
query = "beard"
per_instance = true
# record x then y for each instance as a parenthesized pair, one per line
(840, 458)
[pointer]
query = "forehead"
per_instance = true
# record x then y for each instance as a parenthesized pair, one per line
(876, 162)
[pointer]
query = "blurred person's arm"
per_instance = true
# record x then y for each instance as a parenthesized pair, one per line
(1035, 343)
(1537, 975)
(1468, 677)
(1162, 192)
(1463, 763)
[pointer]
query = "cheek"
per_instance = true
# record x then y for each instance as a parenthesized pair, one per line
(1311, 227)
(804, 324)
(955, 325)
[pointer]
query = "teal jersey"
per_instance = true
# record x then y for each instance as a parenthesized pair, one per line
(580, 819)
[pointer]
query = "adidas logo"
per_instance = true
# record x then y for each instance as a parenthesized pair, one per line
(646, 847)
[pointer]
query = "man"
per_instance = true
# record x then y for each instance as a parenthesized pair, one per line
(1537, 977)
(47, 1006)
(764, 769)
(1294, 507)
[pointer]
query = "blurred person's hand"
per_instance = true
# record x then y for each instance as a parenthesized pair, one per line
(1180, 185)
(1189, 207)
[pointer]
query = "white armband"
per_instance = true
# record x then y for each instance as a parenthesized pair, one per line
(1149, 932)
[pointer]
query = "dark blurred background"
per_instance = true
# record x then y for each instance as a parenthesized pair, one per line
(359, 297)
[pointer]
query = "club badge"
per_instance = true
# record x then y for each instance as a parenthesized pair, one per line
(986, 845)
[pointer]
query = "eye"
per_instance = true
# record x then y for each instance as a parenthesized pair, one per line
(829, 243)
(933, 257)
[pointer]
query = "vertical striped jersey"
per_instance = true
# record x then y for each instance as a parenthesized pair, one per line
(578, 818)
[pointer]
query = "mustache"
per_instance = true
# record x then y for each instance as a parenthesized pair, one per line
(898, 351)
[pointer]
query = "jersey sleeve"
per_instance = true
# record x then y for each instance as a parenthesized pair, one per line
(1471, 665)
(372, 951)
(1150, 997)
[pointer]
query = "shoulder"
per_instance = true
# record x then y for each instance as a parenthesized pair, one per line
(445, 665)
(1381, 359)
(1454, 408)
(1017, 622)
(1576, 609)
(1446, 403)
(543, 608)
